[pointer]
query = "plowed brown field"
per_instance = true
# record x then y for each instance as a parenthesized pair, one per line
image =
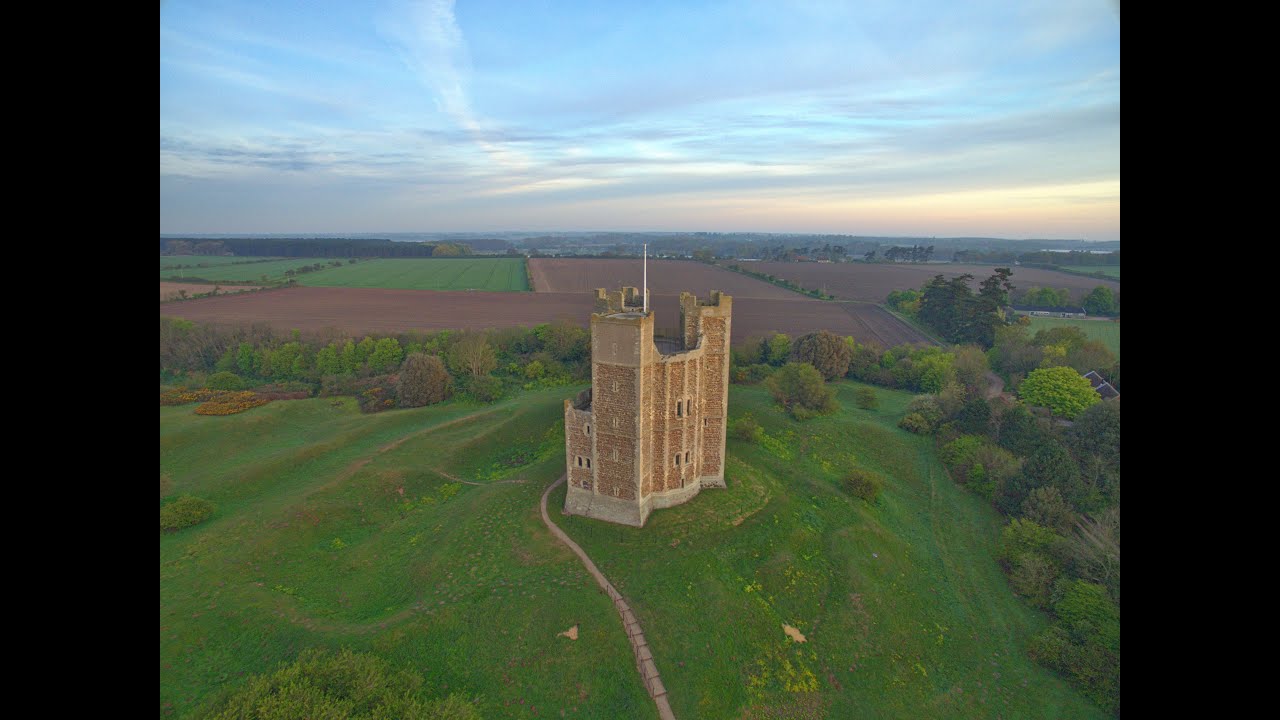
(873, 283)
(365, 310)
(666, 277)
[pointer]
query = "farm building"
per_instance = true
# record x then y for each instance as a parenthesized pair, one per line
(1102, 387)
(1058, 312)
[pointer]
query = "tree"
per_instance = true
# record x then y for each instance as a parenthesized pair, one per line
(825, 351)
(778, 349)
(423, 381)
(800, 389)
(472, 354)
(1100, 301)
(386, 355)
(1061, 389)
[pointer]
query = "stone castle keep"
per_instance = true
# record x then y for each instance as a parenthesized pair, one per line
(650, 431)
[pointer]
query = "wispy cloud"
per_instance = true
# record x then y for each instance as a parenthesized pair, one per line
(432, 46)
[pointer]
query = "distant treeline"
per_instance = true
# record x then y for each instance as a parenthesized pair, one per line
(312, 247)
(1039, 257)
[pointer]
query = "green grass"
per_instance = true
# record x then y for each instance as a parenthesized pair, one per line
(314, 544)
(238, 271)
(494, 274)
(1108, 270)
(905, 610)
(207, 261)
(1105, 330)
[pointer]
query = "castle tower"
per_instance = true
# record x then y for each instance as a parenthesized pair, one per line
(650, 432)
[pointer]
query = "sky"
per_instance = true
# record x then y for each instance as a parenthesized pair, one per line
(995, 119)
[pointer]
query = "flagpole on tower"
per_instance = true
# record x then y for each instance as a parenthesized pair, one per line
(646, 278)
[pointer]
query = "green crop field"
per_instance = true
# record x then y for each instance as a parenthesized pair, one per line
(1108, 270)
(1105, 330)
(239, 271)
(497, 274)
(338, 529)
(208, 261)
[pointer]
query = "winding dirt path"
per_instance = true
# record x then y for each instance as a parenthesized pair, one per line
(644, 657)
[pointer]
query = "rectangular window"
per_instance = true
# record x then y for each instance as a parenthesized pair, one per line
(588, 463)
(615, 453)
(686, 458)
(679, 409)
(579, 459)
(588, 428)
(677, 459)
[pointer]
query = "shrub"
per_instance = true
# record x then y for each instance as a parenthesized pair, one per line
(866, 398)
(423, 381)
(320, 684)
(927, 407)
(747, 430)
(1046, 506)
(800, 389)
(484, 388)
(825, 351)
(225, 381)
(1032, 576)
(1021, 537)
(381, 395)
(864, 484)
(184, 512)
(916, 423)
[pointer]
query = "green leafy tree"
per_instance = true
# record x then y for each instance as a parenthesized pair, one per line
(364, 349)
(778, 349)
(386, 355)
(800, 389)
(351, 362)
(1100, 301)
(1061, 389)
(327, 360)
(245, 358)
(423, 381)
(826, 351)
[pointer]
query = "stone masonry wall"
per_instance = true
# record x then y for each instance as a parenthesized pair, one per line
(577, 444)
(614, 407)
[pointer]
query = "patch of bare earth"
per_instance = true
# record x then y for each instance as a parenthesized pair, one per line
(173, 290)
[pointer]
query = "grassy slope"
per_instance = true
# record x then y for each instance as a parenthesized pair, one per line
(468, 589)
(238, 272)
(471, 590)
(1105, 330)
(494, 274)
(905, 610)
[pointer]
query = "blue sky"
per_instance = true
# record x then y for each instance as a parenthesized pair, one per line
(872, 118)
